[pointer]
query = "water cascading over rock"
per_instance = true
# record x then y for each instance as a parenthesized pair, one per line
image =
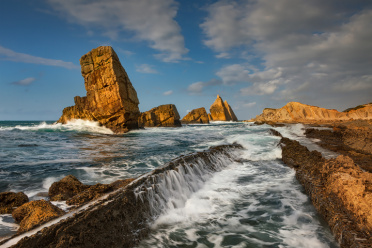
(111, 98)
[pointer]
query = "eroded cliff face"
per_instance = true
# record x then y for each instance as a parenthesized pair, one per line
(111, 98)
(221, 111)
(294, 112)
(196, 116)
(162, 116)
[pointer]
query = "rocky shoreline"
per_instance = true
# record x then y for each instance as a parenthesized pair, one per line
(339, 188)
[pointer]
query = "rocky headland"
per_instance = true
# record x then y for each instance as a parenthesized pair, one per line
(295, 112)
(111, 98)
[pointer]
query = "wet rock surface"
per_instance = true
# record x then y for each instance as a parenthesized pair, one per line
(121, 219)
(111, 98)
(340, 191)
(66, 188)
(161, 116)
(35, 213)
(197, 116)
(10, 200)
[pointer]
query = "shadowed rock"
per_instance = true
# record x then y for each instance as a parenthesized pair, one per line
(196, 116)
(162, 116)
(66, 188)
(10, 200)
(111, 98)
(35, 213)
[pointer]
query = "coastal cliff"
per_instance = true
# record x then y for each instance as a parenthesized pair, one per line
(295, 112)
(111, 98)
(221, 111)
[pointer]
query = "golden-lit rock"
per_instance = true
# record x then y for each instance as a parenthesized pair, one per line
(294, 112)
(162, 116)
(221, 111)
(196, 116)
(111, 98)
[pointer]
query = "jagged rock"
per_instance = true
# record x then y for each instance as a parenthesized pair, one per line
(162, 116)
(111, 99)
(294, 112)
(340, 191)
(196, 116)
(35, 213)
(66, 188)
(221, 111)
(10, 200)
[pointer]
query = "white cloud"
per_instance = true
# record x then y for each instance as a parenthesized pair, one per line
(147, 20)
(233, 73)
(24, 82)
(249, 105)
(7, 54)
(198, 87)
(145, 68)
(223, 56)
(313, 48)
(168, 93)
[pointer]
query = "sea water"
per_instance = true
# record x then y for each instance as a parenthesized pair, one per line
(255, 202)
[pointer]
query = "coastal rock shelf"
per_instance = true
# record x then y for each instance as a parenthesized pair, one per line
(122, 218)
(340, 191)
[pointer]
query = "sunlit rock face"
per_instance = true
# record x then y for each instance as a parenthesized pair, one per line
(111, 98)
(221, 111)
(196, 116)
(294, 112)
(161, 116)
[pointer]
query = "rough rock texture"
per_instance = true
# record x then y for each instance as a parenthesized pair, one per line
(196, 116)
(340, 191)
(121, 219)
(66, 188)
(10, 200)
(35, 213)
(294, 112)
(221, 111)
(111, 99)
(162, 116)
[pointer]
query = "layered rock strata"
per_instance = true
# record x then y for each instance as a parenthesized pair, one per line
(111, 98)
(123, 218)
(340, 191)
(295, 112)
(221, 111)
(196, 116)
(162, 116)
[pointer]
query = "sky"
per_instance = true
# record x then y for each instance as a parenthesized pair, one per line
(255, 53)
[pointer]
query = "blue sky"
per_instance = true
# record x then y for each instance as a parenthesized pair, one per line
(255, 54)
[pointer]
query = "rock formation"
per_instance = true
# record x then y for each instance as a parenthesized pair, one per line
(66, 188)
(162, 116)
(196, 116)
(10, 200)
(221, 111)
(111, 99)
(35, 213)
(294, 112)
(340, 191)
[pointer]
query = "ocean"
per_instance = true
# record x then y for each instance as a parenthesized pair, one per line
(256, 202)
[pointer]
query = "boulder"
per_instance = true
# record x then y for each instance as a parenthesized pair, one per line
(221, 111)
(10, 200)
(111, 98)
(295, 112)
(162, 116)
(196, 116)
(35, 213)
(66, 188)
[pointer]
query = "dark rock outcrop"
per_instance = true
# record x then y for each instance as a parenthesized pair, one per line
(10, 200)
(66, 188)
(35, 213)
(111, 98)
(162, 116)
(196, 116)
(340, 191)
(123, 218)
(221, 111)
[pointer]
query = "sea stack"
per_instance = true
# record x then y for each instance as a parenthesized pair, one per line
(221, 111)
(111, 98)
(196, 116)
(162, 116)
(295, 112)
